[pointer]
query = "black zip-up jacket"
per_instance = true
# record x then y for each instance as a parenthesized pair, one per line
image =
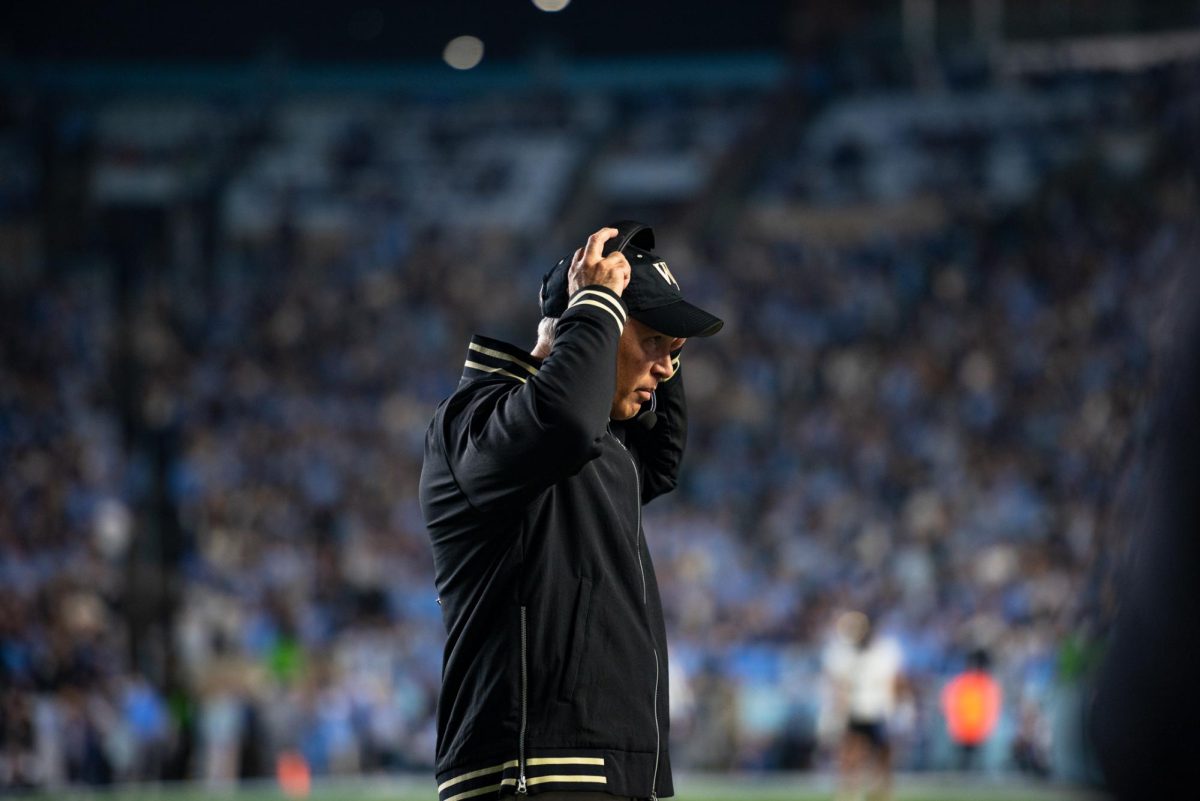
(555, 669)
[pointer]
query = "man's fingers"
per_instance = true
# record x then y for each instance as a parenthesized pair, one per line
(618, 263)
(591, 266)
(595, 243)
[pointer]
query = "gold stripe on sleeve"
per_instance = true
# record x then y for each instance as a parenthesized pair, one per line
(498, 355)
(608, 298)
(489, 369)
(599, 305)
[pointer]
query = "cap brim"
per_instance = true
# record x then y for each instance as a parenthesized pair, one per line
(679, 319)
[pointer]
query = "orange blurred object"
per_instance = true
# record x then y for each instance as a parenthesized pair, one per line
(971, 703)
(292, 771)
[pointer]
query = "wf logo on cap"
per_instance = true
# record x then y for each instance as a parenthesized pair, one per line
(665, 272)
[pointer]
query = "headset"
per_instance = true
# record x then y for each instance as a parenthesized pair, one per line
(554, 293)
(630, 232)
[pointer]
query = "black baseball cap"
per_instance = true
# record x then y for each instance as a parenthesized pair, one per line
(653, 296)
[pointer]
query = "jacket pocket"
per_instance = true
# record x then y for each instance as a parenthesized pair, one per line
(578, 640)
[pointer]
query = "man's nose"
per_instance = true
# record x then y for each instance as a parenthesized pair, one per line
(662, 367)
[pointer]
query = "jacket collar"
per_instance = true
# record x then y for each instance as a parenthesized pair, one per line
(488, 358)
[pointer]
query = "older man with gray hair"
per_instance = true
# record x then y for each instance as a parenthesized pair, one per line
(536, 470)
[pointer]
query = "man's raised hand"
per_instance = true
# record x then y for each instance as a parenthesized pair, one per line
(589, 265)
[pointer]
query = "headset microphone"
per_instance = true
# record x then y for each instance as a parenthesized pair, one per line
(648, 419)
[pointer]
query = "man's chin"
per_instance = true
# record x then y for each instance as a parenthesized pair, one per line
(625, 411)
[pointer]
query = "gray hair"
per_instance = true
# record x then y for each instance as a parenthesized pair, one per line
(545, 340)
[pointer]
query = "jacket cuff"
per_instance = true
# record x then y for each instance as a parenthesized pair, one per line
(601, 297)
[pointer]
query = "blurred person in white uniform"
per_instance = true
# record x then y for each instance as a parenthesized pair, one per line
(865, 677)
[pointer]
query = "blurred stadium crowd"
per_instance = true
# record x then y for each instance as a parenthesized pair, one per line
(943, 313)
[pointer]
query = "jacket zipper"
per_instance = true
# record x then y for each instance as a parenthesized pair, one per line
(657, 734)
(637, 535)
(638, 541)
(522, 789)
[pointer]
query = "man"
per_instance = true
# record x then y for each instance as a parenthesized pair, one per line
(866, 674)
(971, 704)
(535, 473)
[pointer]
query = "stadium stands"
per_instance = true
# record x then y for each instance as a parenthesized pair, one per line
(943, 315)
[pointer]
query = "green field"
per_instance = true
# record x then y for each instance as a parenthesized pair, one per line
(690, 788)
